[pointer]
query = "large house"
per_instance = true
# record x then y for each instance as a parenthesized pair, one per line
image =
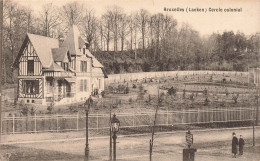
(58, 71)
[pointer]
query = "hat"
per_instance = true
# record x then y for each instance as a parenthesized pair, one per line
(234, 133)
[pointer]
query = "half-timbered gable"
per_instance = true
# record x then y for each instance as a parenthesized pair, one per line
(29, 63)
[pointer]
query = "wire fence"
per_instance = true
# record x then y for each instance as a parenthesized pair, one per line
(61, 123)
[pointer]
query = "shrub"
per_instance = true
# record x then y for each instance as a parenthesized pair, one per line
(235, 97)
(205, 92)
(73, 108)
(184, 93)
(50, 108)
(226, 91)
(32, 111)
(206, 101)
(134, 86)
(192, 96)
(172, 91)
(103, 93)
(24, 110)
(126, 90)
(130, 100)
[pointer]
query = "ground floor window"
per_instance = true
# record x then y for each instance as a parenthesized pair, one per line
(31, 86)
(83, 85)
(49, 85)
(68, 87)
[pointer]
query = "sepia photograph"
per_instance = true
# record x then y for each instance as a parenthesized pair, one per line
(129, 80)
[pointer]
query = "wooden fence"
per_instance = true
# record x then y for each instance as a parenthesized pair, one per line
(59, 123)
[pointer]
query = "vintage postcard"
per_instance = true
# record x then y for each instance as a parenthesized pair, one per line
(130, 80)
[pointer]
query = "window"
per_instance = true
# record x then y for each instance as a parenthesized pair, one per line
(83, 85)
(30, 67)
(31, 86)
(99, 83)
(64, 66)
(49, 85)
(83, 66)
(68, 87)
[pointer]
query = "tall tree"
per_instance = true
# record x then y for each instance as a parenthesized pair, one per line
(142, 18)
(71, 14)
(50, 18)
(106, 20)
(123, 28)
(89, 26)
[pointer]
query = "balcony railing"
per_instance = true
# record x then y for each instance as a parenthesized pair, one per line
(59, 74)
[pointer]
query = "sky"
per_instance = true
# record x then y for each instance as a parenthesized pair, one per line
(246, 21)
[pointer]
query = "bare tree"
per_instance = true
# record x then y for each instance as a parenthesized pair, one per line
(115, 12)
(89, 26)
(123, 28)
(142, 18)
(106, 20)
(72, 14)
(15, 26)
(50, 18)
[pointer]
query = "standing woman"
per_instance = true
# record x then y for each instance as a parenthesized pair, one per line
(241, 145)
(234, 144)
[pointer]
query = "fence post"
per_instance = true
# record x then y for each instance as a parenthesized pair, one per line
(1, 127)
(57, 123)
(240, 113)
(167, 117)
(198, 116)
(182, 116)
(97, 120)
(13, 123)
(212, 115)
(35, 119)
(226, 114)
(133, 119)
(78, 121)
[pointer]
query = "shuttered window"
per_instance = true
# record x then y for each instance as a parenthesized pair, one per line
(83, 66)
(83, 85)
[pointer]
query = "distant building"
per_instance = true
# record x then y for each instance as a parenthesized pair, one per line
(51, 70)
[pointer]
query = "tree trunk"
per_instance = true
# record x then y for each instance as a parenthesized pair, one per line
(122, 43)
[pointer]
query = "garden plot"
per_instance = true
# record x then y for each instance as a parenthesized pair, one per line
(171, 93)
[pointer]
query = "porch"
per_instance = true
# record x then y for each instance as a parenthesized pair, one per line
(59, 88)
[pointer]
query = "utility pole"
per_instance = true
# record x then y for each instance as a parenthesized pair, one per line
(110, 139)
(1, 55)
(153, 128)
(257, 98)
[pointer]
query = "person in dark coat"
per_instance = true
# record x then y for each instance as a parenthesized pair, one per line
(241, 145)
(234, 144)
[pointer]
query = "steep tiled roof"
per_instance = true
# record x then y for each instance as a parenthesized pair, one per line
(96, 63)
(43, 46)
(60, 54)
(54, 67)
(73, 41)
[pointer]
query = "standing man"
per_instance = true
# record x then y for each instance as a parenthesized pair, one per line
(234, 144)
(241, 145)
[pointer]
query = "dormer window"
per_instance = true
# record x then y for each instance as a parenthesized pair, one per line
(84, 51)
